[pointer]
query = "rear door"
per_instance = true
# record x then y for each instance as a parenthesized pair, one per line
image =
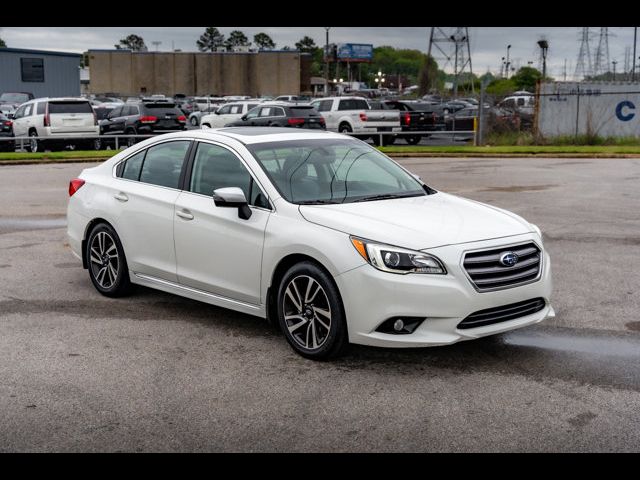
(143, 198)
(71, 116)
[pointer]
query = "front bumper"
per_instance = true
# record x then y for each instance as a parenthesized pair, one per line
(371, 296)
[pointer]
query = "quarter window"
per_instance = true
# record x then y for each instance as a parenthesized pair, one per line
(41, 108)
(163, 163)
(132, 166)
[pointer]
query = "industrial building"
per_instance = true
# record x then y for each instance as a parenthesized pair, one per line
(41, 72)
(124, 72)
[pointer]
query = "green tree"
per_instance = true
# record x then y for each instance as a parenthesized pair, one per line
(2, 43)
(428, 76)
(526, 78)
(501, 87)
(263, 41)
(286, 47)
(132, 42)
(306, 44)
(210, 40)
(237, 39)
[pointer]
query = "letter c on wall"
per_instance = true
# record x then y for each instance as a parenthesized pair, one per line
(625, 117)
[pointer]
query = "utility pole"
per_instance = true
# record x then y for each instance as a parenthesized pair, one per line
(448, 44)
(508, 63)
(633, 71)
(326, 63)
(614, 69)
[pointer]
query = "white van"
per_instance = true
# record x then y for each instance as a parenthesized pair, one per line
(56, 122)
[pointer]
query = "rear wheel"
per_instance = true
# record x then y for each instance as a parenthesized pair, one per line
(310, 312)
(107, 264)
(345, 128)
(131, 141)
(194, 121)
(35, 145)
(413, 139)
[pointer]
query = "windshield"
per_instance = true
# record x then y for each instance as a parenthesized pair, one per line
(14, 97)
(333, 171)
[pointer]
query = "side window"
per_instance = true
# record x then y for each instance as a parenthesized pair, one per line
(346, 105)
(19, 113)
(224, 110)
(163, 163)
(41, 108)
(266, 112)
(278, 112)
(131, 170)
(235, 109)
(520, 102)
(115, 112)
(253, 113)
(134, 110)
(216, 167)
(28, 109)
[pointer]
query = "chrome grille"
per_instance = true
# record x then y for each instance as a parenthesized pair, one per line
(502, 313)
(486, 271)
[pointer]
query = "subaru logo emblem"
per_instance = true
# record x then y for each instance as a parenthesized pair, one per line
(508, 259)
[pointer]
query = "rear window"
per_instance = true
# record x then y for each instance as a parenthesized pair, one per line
(156, 109)
(353, 104)
(70, 107)
(303, 111)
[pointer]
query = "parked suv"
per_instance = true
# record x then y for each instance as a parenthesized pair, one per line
(281, 115)
(57, 122)
(143, 118)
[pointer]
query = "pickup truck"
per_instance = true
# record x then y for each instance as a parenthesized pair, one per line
(354, 115)
(415, 117)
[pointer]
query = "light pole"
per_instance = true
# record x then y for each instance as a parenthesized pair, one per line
(502, 68)
(380, 79)
(614, 69)
(508, 63)
(326, 63)
(544, 46)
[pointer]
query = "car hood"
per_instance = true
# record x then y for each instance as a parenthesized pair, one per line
(419, 222)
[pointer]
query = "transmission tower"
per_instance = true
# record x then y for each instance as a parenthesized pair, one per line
(452, 46)
(601, 62)
(583, 65)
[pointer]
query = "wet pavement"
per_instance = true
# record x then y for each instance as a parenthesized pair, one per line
(156, 372)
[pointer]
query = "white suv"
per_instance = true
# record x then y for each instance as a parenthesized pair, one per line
(227, 113)
(57, 122)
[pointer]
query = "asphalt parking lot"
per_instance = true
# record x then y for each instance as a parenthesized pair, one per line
(155, 372)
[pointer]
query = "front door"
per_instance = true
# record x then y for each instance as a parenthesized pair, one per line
(216, 250)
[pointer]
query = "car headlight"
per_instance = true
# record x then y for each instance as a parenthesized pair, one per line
(397, 260)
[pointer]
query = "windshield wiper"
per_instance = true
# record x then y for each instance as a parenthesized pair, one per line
(318, 202)
(387, 196)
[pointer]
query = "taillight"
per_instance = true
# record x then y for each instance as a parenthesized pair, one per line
(363, 117)
(295, 121)
(406, 118)
(182, 119)
(322, 120)
(95, 118)
(8, 123)
(148, 119)
(47, 120)
(74, 185)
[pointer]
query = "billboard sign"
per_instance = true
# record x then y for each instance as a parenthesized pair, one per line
(355, 52)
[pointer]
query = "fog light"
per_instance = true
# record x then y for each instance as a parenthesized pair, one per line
(400, 325)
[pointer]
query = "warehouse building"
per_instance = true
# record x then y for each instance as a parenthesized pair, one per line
(124, 72)
(41, 72)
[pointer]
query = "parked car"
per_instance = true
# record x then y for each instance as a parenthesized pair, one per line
(462, 120)
(54, 123)
(317, 232)
(453, 106)
(7, 144)
(416, 116)
(143, 118)
(227, 113)
(195, 117)
(293, 98)
(281, 115)
(354, 115)
(15, 99)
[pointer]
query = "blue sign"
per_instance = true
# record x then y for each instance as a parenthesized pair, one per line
(622, 116)
(355, 52)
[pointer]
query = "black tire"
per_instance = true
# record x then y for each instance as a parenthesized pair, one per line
(386, 140)
(35, 145)
(194, 121)
(325, 343)
(131, 141)
(345, 128)
(107, 283)
(413, 139)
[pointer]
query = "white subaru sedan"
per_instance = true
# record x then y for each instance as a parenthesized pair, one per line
(317, 232)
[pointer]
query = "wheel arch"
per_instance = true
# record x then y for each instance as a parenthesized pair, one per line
(90, 226)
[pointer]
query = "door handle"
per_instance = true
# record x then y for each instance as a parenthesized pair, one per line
(184, 214)
(121, 196)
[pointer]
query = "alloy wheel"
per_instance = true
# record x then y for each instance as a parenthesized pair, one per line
(105, 262)
(307, 312)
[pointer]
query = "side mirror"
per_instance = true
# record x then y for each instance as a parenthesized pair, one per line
(244, 118)
(232, 197)
(11, 115)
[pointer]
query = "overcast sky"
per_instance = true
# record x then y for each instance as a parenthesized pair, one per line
(488, 44)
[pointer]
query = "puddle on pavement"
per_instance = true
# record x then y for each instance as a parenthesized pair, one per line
(519, 188)
(9, 225)
(597, 344)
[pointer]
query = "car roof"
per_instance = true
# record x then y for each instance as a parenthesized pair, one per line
(254, 135)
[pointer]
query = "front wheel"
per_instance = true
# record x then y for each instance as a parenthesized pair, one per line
(107, 264)
(413, 139)
(194, 121)
(310, 312)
